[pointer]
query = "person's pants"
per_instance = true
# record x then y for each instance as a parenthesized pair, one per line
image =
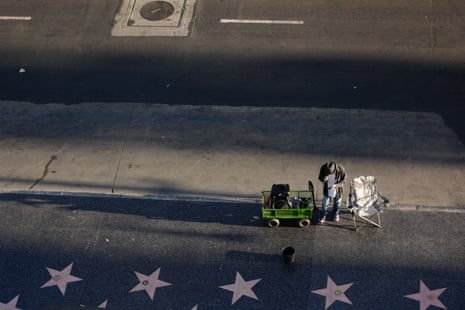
(324, 206)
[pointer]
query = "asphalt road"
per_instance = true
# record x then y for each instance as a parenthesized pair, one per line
(392, 55)
(61, 252)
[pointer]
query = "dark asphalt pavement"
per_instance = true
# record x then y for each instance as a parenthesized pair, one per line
(63, 252)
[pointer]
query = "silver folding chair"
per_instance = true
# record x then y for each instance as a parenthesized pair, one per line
(365, 201)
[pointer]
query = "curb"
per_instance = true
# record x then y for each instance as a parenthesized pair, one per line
(215, 199)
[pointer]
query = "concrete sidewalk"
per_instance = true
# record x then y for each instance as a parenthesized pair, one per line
(215, 152)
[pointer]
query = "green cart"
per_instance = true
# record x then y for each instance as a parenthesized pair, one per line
(288, 204)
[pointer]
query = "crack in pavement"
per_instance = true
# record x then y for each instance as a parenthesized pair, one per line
(44, 174)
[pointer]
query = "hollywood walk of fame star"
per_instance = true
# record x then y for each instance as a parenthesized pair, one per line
(11, 305)
(428, 297)
(103, 305)
(61, 278)
(334, 292)
(241, 288)
(149, 283)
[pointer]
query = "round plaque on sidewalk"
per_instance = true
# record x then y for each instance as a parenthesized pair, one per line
(157, 10)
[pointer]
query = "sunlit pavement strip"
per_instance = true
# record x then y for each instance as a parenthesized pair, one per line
(261, 21)
(226, 152)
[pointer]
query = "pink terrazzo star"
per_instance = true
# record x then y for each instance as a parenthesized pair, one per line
(334, 292)
(241, 288)
(61, 278)
(149, 283)
(103, 305)
(11, 305)
(428, 297)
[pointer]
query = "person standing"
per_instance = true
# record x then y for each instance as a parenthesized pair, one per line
(332, 175)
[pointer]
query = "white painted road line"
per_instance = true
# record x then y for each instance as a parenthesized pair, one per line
(15, 17)
(261, 21)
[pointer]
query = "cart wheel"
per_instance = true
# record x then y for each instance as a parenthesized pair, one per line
(304, 223)
(273, 223)
(281, 204)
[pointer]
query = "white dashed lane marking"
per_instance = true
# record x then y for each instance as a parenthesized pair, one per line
(261, 21)
(15, 18)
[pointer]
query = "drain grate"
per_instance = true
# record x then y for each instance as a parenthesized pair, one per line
(157, 10)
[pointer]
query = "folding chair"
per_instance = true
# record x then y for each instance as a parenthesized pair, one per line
(365, 201)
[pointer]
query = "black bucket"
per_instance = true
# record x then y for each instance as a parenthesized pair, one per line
(289, 255)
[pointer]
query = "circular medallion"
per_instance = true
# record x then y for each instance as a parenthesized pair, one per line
(157, 10)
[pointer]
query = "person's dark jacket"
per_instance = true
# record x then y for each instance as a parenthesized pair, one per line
(340, 176)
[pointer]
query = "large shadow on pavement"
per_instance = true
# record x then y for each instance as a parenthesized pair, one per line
(177, 210)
